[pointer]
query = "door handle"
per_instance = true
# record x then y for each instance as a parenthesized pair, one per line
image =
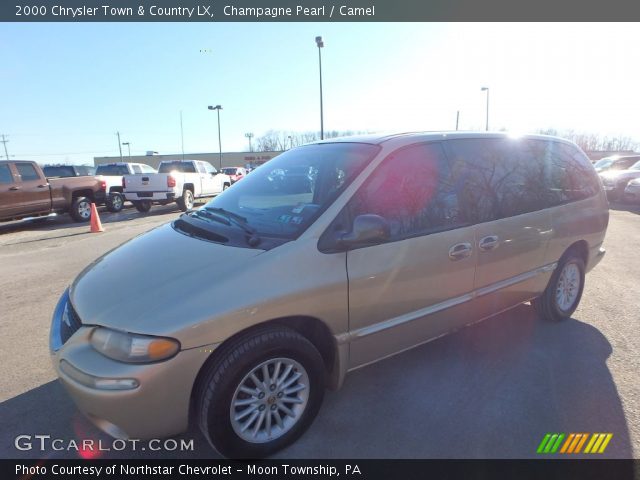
(488, 243)
(460, 251)
(14, 188)
(43, 186)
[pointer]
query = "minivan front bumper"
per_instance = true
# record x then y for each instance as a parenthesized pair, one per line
(139, 401)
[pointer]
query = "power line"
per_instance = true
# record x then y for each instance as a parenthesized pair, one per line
(5, 141)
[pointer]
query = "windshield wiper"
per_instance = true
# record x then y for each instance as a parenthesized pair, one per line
(238, 220)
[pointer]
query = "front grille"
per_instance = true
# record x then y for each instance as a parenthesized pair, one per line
(66, 330)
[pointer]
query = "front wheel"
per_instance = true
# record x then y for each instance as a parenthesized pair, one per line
(142, 206)
(261, 393)
(81, 209)
(562, 295)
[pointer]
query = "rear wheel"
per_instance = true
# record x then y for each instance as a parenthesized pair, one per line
(81, 209)
(562, 295)
(142, 205)
(186, 201)
(115, 202)
(261, 393)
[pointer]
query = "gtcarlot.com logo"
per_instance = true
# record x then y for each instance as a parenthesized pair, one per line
(45, 443)
(574, 443)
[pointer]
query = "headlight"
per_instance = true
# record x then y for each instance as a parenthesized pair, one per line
(131, 347)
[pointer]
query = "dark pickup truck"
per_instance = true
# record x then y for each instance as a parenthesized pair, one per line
(26, 192)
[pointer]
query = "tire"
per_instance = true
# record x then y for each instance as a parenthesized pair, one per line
(115, 202)
(225, 186)
(230, 369)
(142, 206)
(558, 303)
(186, 201)
(81, 209)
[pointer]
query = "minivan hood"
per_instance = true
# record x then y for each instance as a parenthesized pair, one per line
(126, 288)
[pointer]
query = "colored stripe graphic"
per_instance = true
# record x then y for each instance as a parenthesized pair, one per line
(572, 443)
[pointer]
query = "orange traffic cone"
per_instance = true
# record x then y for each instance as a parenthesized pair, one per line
(96, 225)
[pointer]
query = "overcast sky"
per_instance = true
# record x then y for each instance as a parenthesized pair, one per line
(67, 88)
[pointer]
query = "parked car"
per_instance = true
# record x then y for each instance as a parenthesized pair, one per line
(615, 181)
(235, 173)
(632, 191)
(26, 192)
(615, 163)
(65, 171)
(176, 181)
(399, 240)
(112, 174)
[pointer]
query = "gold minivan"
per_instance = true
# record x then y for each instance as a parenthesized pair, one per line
(331, 256)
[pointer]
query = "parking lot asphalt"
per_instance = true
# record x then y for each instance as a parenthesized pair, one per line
(492, 390)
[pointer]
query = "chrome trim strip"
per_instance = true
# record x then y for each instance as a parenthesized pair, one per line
(452, 302)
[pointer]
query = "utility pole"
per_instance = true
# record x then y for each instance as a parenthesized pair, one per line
(119, 145)
(457, 118)
(182, 135)
(5, 141)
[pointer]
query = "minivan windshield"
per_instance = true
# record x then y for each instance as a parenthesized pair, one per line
(285, 195)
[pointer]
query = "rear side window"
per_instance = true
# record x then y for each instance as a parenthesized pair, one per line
(27, 171)
(5, 174)
(502, 177)
(571, 176)
(201, 168)
(413, 190)
(498, 178)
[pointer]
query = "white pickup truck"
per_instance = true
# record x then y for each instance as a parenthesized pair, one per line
(112, 173)
(179, 181)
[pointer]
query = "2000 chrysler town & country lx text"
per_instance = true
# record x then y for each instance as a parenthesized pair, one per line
(351, 250)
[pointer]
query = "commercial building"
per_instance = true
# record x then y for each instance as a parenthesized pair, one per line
(229, 159)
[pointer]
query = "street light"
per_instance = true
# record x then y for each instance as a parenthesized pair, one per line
(128, 148)
(290, 141)
(320, 44)
(218, 108)
(486, 89)
(249, 136)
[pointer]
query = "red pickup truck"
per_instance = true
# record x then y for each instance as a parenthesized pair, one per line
(26, 192)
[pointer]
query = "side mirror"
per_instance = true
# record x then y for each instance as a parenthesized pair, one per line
(368, 228)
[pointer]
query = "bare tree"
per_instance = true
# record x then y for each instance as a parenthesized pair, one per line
(592, 142)
(279, 140)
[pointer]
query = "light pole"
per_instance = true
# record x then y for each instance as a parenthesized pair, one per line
(290, 141)
(218, 108)
(128, 149)
(320, 44)
(486, 89)
(249, 136)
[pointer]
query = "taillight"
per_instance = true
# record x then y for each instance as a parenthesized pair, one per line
(103, 185)
(171, 182)
(124, 183)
